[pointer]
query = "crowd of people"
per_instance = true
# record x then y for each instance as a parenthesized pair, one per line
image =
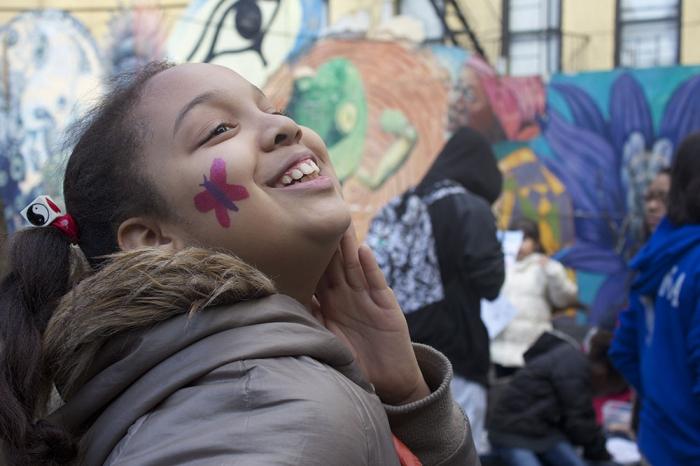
(204, 300)
(546, 391)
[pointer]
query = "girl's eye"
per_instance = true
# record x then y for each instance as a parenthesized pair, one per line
(221, 128)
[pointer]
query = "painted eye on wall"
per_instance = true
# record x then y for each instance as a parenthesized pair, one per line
(234, 27)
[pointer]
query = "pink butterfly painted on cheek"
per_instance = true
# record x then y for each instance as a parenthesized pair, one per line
(218, 195)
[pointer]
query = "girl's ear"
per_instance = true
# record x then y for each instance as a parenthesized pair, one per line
(142, 232)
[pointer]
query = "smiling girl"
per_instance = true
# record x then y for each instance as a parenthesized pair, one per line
(225, 313)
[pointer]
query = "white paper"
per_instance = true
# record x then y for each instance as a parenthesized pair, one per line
(497, 314)
(511, 240)
(623, 451)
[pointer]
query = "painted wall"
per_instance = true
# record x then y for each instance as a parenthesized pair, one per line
(576, 152)
(604, 136)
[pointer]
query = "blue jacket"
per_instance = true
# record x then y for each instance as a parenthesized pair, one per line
(657, 345)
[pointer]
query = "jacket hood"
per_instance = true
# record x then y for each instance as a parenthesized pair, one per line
(134, 291)
(151, 322)
(467, 159)
(548, 341)
(664, 249)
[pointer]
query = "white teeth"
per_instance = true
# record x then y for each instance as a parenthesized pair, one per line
(305, 168)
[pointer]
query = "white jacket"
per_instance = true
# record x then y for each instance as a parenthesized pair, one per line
(533, 289)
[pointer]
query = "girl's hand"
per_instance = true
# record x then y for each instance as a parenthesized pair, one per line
(354, 302)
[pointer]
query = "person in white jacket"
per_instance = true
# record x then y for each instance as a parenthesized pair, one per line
(535, 285)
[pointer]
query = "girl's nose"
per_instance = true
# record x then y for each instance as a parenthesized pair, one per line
(280, 131)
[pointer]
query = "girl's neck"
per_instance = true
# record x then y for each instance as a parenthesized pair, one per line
(298, 276)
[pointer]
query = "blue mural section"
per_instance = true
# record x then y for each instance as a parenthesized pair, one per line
(605, 136)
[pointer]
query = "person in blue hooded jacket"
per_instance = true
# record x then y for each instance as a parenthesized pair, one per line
(657, 343)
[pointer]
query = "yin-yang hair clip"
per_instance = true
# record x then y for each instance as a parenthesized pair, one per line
(41, 212)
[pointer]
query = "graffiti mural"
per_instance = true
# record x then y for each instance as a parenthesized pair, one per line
(576, 152)
(386, 108)
(136, 36)
(605, 136)
(50, 67)
(498, 107)
(332, 101)
(531, 190)
(252, 37)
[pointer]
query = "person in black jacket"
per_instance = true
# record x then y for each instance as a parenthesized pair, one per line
(547, 408)
(437, 246)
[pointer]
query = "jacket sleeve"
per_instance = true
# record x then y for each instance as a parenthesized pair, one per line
(435, 428)
(624, 350)
(571, 380)
(561, 291)
(482, 256)
(694, 349)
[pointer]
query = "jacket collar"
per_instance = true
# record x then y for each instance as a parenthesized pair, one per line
(135, 290)
(136, 331)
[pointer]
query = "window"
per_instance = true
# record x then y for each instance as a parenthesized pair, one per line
(648, 33)
(532, 36)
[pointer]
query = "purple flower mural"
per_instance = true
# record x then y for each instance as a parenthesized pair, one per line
(606, 166)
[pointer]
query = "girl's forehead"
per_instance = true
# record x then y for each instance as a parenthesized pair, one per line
(170, 91)
(188, 79)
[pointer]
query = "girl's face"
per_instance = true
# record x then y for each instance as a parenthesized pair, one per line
(656, 200)
(527, 247)
(229, 167)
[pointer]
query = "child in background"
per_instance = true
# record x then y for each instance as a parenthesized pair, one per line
(546, 409)
(535, 285)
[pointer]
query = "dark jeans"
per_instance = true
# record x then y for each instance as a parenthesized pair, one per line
(561, 454)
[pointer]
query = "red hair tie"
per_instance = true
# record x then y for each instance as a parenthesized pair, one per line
(43, 211)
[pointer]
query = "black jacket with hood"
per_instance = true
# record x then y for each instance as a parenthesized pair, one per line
(547, 401)
(437, 246)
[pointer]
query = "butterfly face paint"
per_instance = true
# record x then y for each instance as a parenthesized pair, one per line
(219, 195)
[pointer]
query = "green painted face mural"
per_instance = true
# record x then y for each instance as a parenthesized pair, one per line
(395, 123)
(336, 89)
(332, 102)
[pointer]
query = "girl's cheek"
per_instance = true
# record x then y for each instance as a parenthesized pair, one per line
(219, 197)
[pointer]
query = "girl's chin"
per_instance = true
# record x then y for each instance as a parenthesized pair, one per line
(333, 225)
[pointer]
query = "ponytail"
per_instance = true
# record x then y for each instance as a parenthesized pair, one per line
(104, 184)
(39, 274)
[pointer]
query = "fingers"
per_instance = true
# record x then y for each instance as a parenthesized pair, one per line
(351, 261)
(379, 291)
(373, 274)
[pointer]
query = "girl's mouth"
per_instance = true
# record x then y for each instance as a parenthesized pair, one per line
(303, 171)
